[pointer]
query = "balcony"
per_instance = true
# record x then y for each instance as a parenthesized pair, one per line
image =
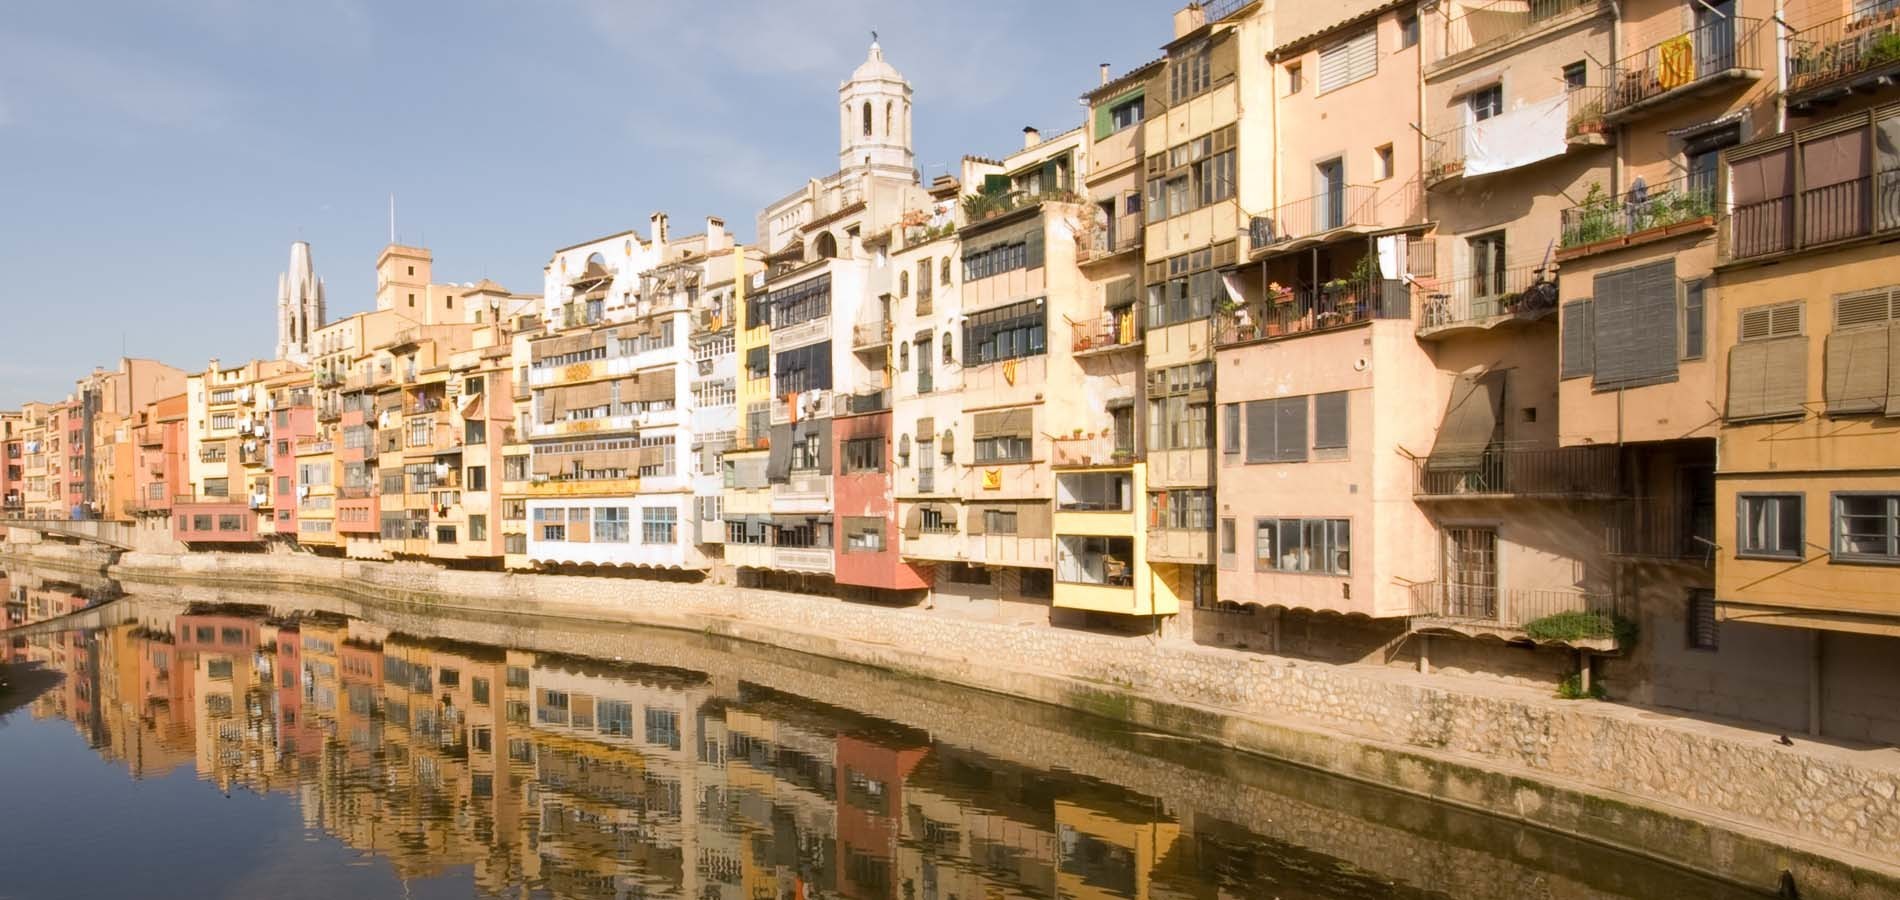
(312, 448)
(1605, 222)
(1108, 334)
(871, 335)
(1302, 223)
(1487, 24)
(802, 559)
(1497, 472)
(1486, 300)
(1107, 238)
(867, 401)
(328, 379)
(1664, 529)
(1088, 450)
(815, 404)
(1578, 619)
(1714, 53)
(1335, 304)
(212, 455)
(1845, 55)
(1817, 216)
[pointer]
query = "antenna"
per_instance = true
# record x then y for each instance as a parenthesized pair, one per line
(392, 217)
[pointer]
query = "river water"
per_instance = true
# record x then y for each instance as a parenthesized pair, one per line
(221, 744)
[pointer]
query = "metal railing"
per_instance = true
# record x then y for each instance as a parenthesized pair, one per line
(1353, 204)
(1587, 109)
(1497, 471)
(871, 334)
(1119, 235)
(1842, 48)
(1719, 45)
(1501, 20)
(1674, 202)
(868, 401)
(1111, 332)
(1523, 292)
(1849, 209)
(1661, 528)
(1444, 155)
(1484, 605)
(1334, 304)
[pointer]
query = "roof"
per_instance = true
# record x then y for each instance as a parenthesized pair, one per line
(1338, 23)
(1121, 82)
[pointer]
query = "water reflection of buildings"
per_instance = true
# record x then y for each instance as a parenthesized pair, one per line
(581, 778)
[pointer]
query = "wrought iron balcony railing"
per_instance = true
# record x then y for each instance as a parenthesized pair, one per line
(1333, 304)
(1843, 49)
(1483, 298)
(1578, 615)
(1677, 202)
(1717, 47)
(1500, 472)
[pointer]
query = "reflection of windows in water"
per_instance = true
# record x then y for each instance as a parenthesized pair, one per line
(1097, 862)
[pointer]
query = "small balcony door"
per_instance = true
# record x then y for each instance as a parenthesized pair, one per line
(1471, 573)
(1714, 36)
(1330, 206)
(925, 378)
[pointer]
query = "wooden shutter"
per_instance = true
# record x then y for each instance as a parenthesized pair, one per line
(1473, 420)
(1635, 325)
(1893, 370)
(1331, 420)
(976, 524)
(1767, 378)
(914, 522)
(1289, 430)
(1033, 520)
(1579, 341)
(1856, 371)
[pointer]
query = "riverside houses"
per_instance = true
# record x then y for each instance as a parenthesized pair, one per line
(1548, 343)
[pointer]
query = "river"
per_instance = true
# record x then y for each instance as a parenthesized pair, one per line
(217, 744)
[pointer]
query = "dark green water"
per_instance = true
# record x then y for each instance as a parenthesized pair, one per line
(272, 747)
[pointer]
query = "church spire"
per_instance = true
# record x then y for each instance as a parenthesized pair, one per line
(874, 116)
(300, 305)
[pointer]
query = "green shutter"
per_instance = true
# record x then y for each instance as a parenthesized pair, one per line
(1104, 120)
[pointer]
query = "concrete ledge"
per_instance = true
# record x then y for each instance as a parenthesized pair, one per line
(1706, 796)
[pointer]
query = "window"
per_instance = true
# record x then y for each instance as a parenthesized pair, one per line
(1574, 76)
(1694, 319)
(1310, 546)
(1191, 175)
(863, 534)
(936, 520)
(1007, 332)
(1408, 31)
(475, 432)
(1761, 323)
(1230, 428)
(217, 487)
(477, 479)
(1331, 420)
(1355, 60)
(1181, 509)
(801, 302)
(864, 454)
(1037, 584)
(804, 369)
(903, 284)
(445, 534)
(1702, 629)
(997, 259)
(1190, 73)
(1227, 541)
(1485, 103)
(1382, 162)
(610, 525)
(1003, 448)
(1186, 287)
(1867, 527)
(551, 524)
(230, 523)
(1295, 78)
(1178, 401)
(1276, 430)
(1127, 113)
(1095, 560)
(658, 524)
(1094, 492)
(1769, 526)
(478, 528)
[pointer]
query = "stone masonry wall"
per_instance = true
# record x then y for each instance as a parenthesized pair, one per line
(1833, 801)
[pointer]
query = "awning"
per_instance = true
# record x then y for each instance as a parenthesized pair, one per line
(1472, 419)
(1005, 423)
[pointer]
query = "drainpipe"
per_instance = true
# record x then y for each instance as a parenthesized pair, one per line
(1781, 67)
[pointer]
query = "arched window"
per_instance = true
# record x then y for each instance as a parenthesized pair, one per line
(949, 350)
(903, 356)
(944, 273)
(826, 245)
(903, 284)
(867, 118)
(887, 118)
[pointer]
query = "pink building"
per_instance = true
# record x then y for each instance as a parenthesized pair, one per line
(866, 508)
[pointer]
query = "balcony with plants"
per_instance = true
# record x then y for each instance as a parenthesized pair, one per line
(1587, 620)
(1849, 54)
(1362, 295)
(1485, 300)
(1720, 51)
(1605, 221)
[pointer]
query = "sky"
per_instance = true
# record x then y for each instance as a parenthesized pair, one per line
(158, 157)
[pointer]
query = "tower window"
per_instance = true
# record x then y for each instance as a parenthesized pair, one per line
(412, 270)
(887, 119)
(412, 301)
(867, 119)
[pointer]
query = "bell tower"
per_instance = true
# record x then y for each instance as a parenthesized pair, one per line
(874, 120)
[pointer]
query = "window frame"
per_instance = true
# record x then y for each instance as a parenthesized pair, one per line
(1743, 502)
(1835, 534)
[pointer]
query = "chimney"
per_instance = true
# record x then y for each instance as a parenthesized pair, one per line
(659, 230)
(716, 235)
(1105, 74)
(1031, 137)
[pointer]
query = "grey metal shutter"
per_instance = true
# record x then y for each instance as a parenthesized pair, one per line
(1893, 370)
(1260, 446)
(1032, 246)
(1330, 420)
(1856, 371)
(1289, 429)
(1611, 327)
(1579, 341)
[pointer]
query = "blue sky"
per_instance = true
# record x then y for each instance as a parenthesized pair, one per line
(157, 157)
